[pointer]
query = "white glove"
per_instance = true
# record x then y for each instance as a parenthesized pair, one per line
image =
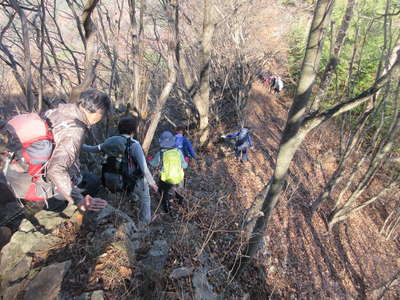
(223, 136)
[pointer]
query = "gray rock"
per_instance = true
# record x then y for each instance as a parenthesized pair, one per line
(128, 230)
(109, 233)
(157, 256)
(47, 283)
(14, 292)
(202, 288)
(173, 296)
(20, 244)
(97, 295)
(111, 211)
(70, 210)
(84, 296)
(20, 270)
(49, 219)
(181, 272)
(26, 226)
(159, 248)
(104, 213)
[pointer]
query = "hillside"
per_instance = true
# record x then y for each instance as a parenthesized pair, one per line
(189, 254)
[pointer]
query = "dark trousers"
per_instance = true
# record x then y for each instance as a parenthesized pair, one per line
(169, 193)
(11, 214)
(241, 152)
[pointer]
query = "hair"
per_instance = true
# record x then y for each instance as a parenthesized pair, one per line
(127, 125)
(180, 128)
(94, 100)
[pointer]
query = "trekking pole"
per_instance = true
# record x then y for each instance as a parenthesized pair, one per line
(159, 202)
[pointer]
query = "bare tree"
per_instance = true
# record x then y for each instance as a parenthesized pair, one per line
(42, 54)
(201, 98)
(9, 58)
(90, 43)
(336, 47)
(170, 7)
(292, 135)
(299, 125)
(378, 157)
(27, 54)
(137, 50)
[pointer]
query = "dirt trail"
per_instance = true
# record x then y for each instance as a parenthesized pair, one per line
(300, 258)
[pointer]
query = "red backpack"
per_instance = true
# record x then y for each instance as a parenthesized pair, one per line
(34, 150)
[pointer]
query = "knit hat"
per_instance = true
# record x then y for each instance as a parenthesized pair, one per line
(167, 140)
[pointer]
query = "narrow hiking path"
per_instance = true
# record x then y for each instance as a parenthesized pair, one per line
(299, 260)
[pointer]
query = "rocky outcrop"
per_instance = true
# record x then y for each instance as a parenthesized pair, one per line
(21, 279)
(16, 258)
(181, 272)
(202, 288)
(47, 283)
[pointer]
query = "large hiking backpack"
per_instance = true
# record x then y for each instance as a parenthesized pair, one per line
(30, 144)
(172, 171)
(120, 173)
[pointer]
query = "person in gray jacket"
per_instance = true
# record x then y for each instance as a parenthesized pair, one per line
(117, 160)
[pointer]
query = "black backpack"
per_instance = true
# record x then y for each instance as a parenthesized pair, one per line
(121, 173)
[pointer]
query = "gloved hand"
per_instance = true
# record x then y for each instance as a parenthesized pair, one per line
(223, 136)
(187, 159)
(150, 158)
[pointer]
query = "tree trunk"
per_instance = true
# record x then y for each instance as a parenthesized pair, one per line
(171, 63)
(42, 53)
(11, 62)
(137, 31)
(292, 136)
(27, 54)
(90, 50)
(378, 158)
(202, 97)
(334, 59)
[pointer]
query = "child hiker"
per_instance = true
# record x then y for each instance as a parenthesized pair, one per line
(172, 163)
(243, 143)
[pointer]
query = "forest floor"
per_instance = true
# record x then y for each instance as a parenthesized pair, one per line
(300, 259)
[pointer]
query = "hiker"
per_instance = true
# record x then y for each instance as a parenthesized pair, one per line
(125, 167)
(183, 144)
(172, 164)
(40, 154)
(277, 85)
(266, 78)
(243, 142)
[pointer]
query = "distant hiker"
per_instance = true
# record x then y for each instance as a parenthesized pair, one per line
(41, 154)
(266, 78)
(183, 144)
(125, 167)
(172, 164)
(277, 85)
(243, 143)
